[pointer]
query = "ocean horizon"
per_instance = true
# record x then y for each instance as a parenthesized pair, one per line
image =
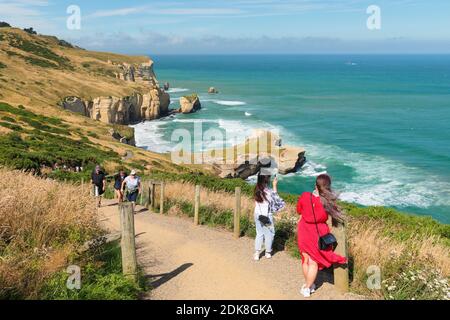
(378, 124)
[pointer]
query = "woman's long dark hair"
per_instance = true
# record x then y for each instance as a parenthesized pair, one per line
(328, 197)
(261, 185)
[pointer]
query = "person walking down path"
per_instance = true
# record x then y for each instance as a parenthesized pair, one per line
(98, 180)
(132, 183)
(267, 202)
(314, 209)
(118, 185)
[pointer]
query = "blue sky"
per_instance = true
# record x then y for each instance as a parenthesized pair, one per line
(241, 26)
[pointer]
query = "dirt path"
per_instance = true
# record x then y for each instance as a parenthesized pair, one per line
(187, 262)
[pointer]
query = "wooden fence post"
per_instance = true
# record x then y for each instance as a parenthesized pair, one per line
(152, 196)
(82, 185)
(237, 214)
(341, 277)
(197, 205)
(128, 244)
(161, 201)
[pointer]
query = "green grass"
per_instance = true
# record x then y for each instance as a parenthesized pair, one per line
(124, 131)
(46, 143)
(40, 62)
(101, 278)
(2, 65)
(93, 135)
(53, 60)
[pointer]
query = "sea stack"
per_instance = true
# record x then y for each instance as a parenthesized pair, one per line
(190, 104)
(213, 90)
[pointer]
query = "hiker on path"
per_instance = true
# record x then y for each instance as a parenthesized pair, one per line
(98, 180)
(132, 183)
(314, 208)
(118, 185)
(267, 202)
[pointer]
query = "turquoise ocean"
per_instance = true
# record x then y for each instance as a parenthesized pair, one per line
(378, 124)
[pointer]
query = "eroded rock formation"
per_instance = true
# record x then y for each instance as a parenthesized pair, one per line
(190, 104)
(263, 150)
(130, 109)
(122, 110)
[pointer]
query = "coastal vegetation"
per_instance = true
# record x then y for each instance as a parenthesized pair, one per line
(43, 225)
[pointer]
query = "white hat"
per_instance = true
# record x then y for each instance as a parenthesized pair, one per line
(133, 172)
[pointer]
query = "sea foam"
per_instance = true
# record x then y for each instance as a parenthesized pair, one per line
(229, 103)
(177, 90)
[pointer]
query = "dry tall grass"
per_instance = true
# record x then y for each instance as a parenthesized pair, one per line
(370, 247)
(223, 201)
(41, 221)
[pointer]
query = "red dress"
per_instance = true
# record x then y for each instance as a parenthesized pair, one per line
(308, 238)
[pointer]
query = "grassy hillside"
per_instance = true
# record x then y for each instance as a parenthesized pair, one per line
(36, 72)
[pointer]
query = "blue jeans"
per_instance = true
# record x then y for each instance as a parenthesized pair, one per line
(264, 234)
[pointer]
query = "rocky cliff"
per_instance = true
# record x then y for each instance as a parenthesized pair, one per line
(129, 109)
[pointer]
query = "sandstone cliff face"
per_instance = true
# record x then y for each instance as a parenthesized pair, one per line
(122, 110)
(125, 110)
(137, 73)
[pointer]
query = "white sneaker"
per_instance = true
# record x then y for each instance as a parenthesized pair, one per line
(306, 292)
(313, 288)
(256, 256)
(268, 255)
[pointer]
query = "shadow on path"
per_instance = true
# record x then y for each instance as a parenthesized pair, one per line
(166, 277)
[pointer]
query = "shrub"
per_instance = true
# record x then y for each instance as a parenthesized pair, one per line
(2, 65)
(46, 144)
(30, 31)
(4, 24)
(41, 51)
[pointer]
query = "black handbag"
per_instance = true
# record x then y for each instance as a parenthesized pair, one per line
(326, 241)
(265, 220)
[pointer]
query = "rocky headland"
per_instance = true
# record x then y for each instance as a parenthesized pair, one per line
(264, 149)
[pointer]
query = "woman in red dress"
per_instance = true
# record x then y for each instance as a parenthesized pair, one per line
(324, 201)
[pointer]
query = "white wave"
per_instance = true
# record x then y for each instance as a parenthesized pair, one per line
(312, 169)
(229, 103)
(150, 135)
(248, 114)
(377, 181)
(177, 90)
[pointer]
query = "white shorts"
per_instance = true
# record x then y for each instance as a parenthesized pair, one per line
(96, 191)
